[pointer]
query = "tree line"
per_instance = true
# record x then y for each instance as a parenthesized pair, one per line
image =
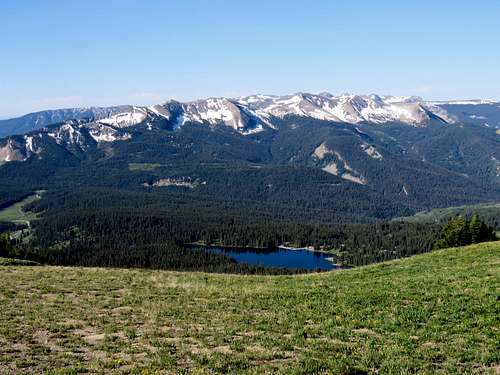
(459, 231)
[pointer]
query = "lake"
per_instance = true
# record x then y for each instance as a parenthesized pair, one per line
(285, 258)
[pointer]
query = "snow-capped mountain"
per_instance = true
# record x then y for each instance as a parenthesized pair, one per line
(232, 113)
(347, 108)
(248, 114)
(254, 113)
(86, 127)
(72, 135)
(212, 111)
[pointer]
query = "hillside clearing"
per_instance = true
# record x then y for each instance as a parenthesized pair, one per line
(144, 166)
(442, 214)
(434, 313)
(15, 212)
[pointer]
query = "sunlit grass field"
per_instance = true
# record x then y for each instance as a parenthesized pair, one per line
(433, 313)
(15, 212)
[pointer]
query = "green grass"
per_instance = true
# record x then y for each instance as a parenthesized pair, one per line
(143, 166)
(441, 214)
(17, 262)
(434, 313)
(15, 213)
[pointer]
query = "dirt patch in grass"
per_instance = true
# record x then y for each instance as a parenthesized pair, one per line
(364, 331)
(43, 338)
(90, 336)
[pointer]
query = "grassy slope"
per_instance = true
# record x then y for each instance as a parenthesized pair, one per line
(441, 214)
(15, 213)
(143, 166)
(434, 313)
(17, 262)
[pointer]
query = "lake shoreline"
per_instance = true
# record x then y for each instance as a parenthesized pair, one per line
(244, 254)
(282, 247)
(197, 244)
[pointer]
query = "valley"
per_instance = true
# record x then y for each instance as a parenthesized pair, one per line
(131, 184)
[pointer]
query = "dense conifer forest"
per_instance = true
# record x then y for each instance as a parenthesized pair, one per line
(105, 227)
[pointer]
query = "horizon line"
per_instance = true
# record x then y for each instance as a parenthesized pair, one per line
(62, 107)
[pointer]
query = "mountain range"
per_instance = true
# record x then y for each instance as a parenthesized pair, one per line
(391, 155)
(254, 113)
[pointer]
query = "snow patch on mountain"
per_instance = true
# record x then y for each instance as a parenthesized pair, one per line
(222, 111)
(104, 133)
(160, 111)
(127, 118)
(68, 134)
(29, 144)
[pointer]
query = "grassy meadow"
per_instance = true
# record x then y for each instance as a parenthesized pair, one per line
(434, 313)
(15, 212)
(143, 166)
(442, 214)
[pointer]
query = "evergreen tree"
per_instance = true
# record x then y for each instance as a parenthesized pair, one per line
(6, 248)
(475, 228)
(460, 232)
(487, 233)
(448, 237)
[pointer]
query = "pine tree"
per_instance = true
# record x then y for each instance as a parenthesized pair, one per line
(475, 228)
(449, 236)
(460, 232)
(487, 233)
(6, 248)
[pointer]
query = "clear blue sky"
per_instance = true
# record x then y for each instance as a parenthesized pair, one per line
(56, 53)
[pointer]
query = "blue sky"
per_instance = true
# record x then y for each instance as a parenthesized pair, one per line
(56, 53)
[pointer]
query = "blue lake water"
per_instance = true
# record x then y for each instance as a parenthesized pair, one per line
(286, 258)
